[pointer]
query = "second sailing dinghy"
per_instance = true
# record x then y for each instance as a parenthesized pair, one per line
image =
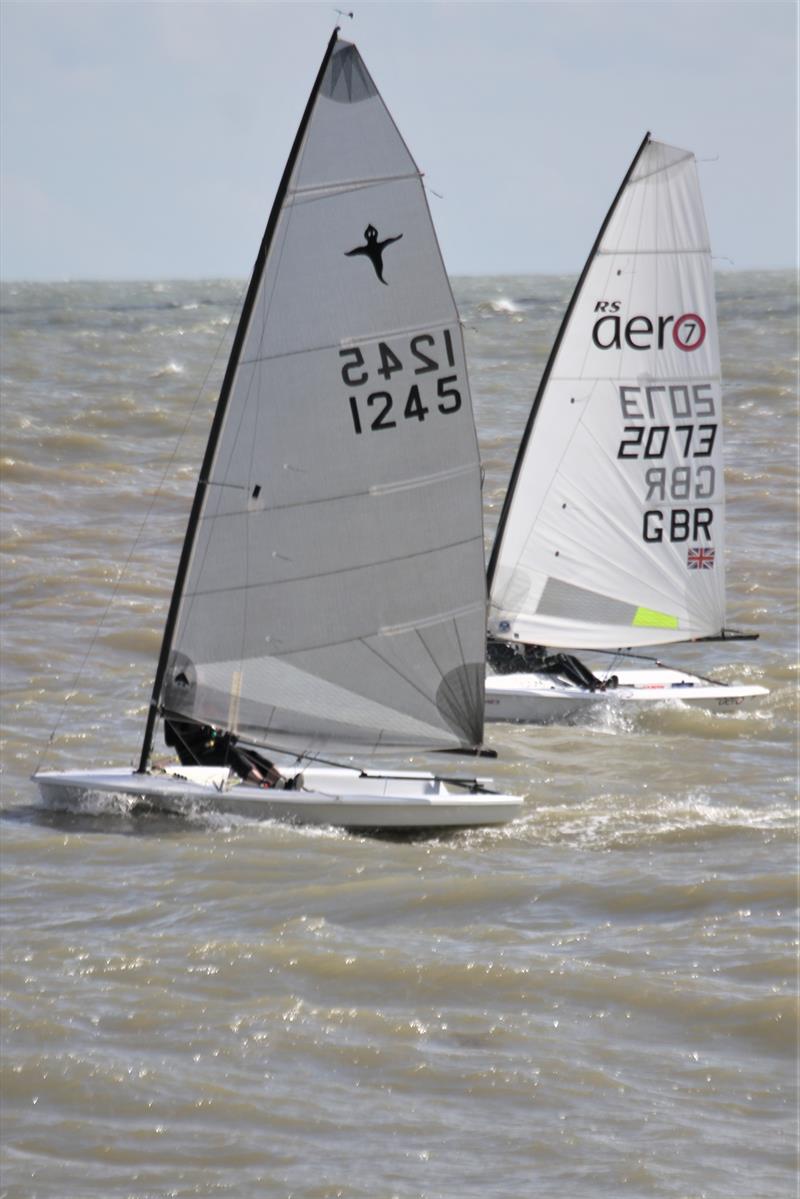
(612, 532)
(330, 595)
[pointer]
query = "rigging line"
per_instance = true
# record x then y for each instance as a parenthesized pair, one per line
(607, 673)
(471, 784)
(626, 653)
(363, 772)
(145, 520)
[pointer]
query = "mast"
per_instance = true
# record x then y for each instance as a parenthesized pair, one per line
(219, 415)
(498, 537)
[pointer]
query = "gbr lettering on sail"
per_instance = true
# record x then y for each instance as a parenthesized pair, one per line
(668, 428)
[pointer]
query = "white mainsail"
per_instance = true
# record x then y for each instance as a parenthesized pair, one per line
(612, 533)
(332, 587)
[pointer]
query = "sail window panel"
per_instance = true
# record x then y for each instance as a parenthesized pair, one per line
(313, 294)
(575, 635)
(583, 604)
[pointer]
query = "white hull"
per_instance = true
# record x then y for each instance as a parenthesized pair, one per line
(329, 796)
(545, 699)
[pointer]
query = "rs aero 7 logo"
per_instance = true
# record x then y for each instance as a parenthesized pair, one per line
(611, 332)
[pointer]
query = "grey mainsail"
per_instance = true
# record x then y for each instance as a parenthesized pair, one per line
(331, 592)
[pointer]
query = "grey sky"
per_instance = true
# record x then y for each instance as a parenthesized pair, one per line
(146, 140)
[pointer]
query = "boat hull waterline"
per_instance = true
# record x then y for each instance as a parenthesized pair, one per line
(542, 699)
(333, 796)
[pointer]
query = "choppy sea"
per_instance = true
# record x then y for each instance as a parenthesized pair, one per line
(598, 1001)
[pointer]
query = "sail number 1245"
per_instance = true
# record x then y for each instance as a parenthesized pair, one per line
(408, 399)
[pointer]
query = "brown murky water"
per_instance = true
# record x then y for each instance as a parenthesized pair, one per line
(600, 1000)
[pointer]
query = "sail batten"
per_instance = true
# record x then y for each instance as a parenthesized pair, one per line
(323, 190)
(333, 597)
(348, 340)
(612, 533)
(638, 253)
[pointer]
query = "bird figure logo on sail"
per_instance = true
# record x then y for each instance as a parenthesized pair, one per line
(374, 249)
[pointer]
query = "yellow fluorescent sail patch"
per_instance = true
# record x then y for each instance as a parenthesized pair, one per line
(648, 618)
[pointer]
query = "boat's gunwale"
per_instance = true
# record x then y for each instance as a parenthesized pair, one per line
(174, 794)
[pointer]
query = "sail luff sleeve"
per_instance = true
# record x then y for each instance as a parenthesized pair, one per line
(222, 402)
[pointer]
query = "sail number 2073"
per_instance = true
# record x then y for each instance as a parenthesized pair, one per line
(408, 399)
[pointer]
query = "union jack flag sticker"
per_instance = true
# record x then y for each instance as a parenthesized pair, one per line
(698, 558)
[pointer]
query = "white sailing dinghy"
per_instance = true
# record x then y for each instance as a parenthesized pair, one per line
(330, 596)
(612, 532)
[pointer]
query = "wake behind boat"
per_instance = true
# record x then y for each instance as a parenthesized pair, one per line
(611, 536)
(330, 594)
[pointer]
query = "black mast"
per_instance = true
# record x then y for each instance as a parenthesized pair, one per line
(222, 404)
(498, 537)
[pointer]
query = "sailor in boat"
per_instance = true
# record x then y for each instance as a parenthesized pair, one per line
(507, 658)
(201, 745)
